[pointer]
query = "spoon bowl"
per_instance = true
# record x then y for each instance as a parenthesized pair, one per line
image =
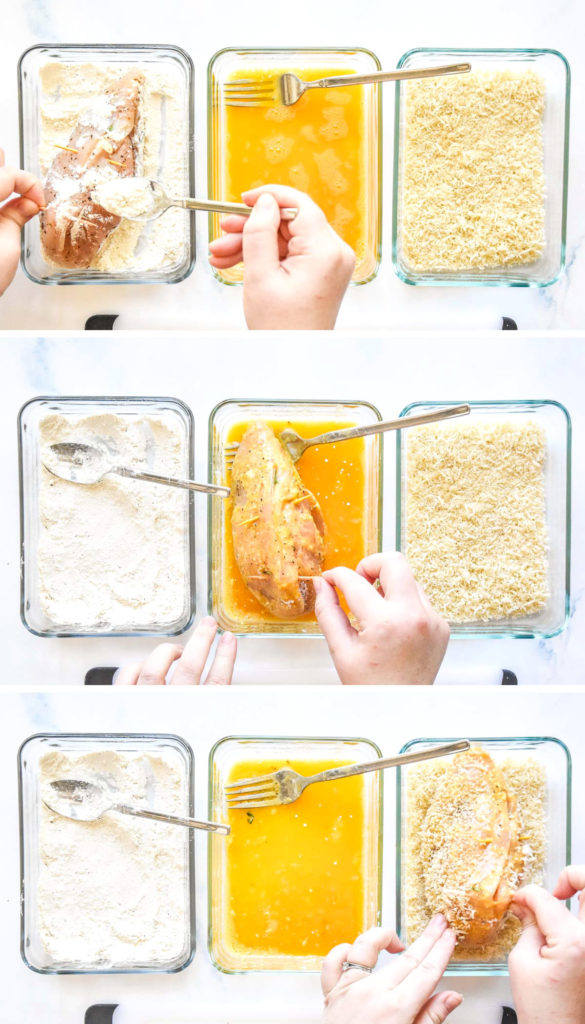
(81, 800)
(143, 199)
(77, 799)
(89, 463)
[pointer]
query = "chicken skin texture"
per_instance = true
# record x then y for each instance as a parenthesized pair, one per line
(277, 526)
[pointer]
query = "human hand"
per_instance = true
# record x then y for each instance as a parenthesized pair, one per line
(401, 992)
(547, 965)
(295, 272)
(14, 214)
(398, 637)
(190, 661)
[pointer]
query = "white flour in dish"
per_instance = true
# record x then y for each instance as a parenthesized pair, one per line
(113, 554)
(67, 89)
(114, 891)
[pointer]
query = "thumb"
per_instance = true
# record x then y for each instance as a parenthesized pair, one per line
(531, 940)
(438, 1008)
(260, 238)
(331, 617)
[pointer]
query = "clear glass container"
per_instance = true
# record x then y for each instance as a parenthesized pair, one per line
(359, 167)
(282, 414)
(176, 751)
(233, 750)
(168, 157)
(31, 415)
(554, 757)
(554, 420)
(554, 69)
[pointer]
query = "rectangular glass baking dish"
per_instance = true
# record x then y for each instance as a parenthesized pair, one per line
(226, 753)
(30, 469)
(308, 63)
(554, 69)
(554, 419)
(162, 158)
(232, 411)
(555, 758)
(30, 754)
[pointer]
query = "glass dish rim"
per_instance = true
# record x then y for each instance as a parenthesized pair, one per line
(379, 147)
(191, 864)
(99, 399)
(379, 839)
(107, 47)
(473, 969)
(286, 401)
(525, 633)
(466, 280)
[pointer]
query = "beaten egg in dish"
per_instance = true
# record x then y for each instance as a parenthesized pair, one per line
(336, 476)
(324, 145)
(295, 879)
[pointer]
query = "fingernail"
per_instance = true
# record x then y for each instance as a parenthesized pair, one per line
(439, 921)
(452, 1001)
(265, 201)
(227, 639)
(209, 621)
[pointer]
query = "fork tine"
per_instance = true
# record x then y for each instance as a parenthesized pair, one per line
(248, 85)
(255, 803)
(253, 792)
(264, 787)
(248, 103)
(246, 782)
(246, 91)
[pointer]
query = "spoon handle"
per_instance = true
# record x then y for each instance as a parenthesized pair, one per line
(398, 424)
(403, 74)
(171, 481)
(286, 213)
(172, 819)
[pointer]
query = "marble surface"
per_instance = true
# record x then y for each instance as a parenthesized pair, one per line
(389, 29)
(201, 994)
(389, 370)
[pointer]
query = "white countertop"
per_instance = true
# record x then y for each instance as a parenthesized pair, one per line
(389, 29)
(201, 994)
(388, 370)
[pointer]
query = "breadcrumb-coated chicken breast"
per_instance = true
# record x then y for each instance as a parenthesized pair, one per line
(102, 146)
(471, 843)
(277, 526)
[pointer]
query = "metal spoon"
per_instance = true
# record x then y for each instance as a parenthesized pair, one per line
(152, 201)
(88, 801)
(89, 464)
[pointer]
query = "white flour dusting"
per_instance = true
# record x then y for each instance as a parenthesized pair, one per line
(112, 555)
(114, 891)
(67, 91)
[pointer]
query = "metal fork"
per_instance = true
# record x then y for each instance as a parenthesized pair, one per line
(285, 786)
(288, 88)
(295, 445)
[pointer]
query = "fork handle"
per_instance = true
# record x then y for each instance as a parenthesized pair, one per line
(286, 213)
(171, 481)
(398, 424)
(173, 819)
(391, 762)
(403, 74)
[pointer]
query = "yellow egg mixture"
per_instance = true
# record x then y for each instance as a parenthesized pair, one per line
(337, 476)
(295, 875)
(323, 145)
